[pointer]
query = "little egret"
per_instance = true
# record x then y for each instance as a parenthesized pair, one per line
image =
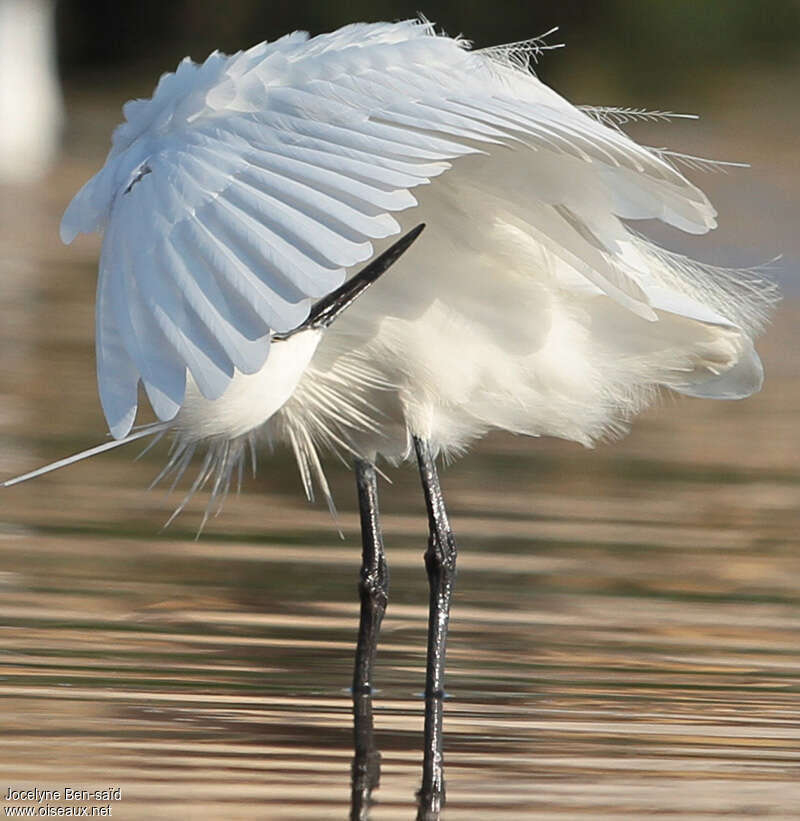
(249, 185)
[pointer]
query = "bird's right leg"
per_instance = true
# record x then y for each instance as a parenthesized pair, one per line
(373, 589)
(373, 585)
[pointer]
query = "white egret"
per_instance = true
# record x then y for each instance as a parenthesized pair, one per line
(250, 184)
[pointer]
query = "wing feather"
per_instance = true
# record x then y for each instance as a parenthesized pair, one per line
(117, 375)
(421, 171)
(243, 337)
(235, 206)
(242, 287)
(368, 198)
(322, 248)
(269, 256)
(249, 185)
(205, 358)
(328, 210)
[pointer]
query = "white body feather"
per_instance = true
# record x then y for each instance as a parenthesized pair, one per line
(249, 185)
(251, 398)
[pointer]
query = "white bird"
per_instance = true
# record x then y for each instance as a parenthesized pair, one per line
(248, 187)
(31, 108)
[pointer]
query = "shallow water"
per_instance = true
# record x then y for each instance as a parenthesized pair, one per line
(625, 637)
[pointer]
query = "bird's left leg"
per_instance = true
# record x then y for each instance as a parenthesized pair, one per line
(440, 562)
(373, 589)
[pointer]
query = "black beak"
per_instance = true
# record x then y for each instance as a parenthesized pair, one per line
(330, 306)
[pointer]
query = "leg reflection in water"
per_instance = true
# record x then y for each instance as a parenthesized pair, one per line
(367, 758)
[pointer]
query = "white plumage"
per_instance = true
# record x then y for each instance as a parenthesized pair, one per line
(248, 186)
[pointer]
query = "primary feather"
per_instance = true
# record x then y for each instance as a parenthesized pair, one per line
(249, 185)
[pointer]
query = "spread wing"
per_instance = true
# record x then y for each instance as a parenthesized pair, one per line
(247, 187)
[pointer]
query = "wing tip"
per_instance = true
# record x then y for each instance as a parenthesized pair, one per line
(120, 424)
(67, 231)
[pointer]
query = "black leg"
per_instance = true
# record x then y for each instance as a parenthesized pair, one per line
(440, 562)
(373, 586)
(373, 590)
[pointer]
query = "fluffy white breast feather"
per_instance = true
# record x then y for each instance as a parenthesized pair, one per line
(248, 186)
